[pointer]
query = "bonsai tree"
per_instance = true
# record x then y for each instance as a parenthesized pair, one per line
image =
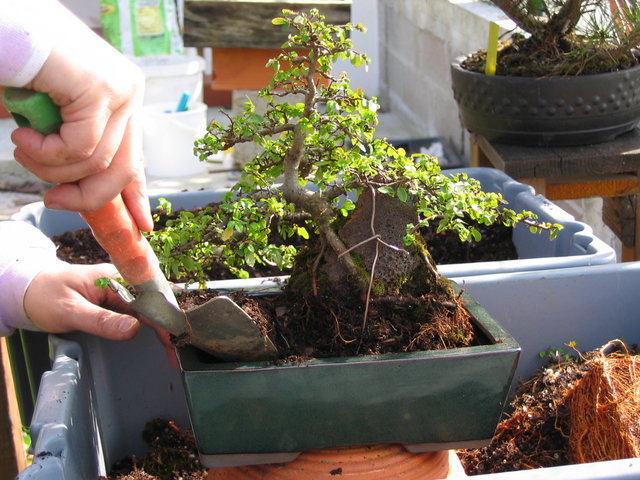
(322, 173)
(568, 37)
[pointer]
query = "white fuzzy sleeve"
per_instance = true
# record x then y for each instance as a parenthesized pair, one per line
(24, 252)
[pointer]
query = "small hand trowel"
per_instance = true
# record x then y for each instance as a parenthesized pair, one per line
(219, 327)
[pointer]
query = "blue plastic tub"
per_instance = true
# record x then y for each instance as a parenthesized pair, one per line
(94, 403)
(575, 245)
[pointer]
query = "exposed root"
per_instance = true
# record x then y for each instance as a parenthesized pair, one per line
(604, 421)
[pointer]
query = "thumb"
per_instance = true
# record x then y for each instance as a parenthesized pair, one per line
(104, 323)
(98, 321)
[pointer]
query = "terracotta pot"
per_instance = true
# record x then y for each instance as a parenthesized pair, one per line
(547, 112)
(380, 462)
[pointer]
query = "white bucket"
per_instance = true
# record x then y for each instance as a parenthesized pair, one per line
(168, 76)
(168, 139)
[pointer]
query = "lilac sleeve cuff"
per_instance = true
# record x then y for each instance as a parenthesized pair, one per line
(25, 41)
(24, 252)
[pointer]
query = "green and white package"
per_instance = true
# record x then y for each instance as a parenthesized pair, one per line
(141, 27)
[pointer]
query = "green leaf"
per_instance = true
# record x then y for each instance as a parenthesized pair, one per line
(188, 264)
(386, 190)
(175, 267)
(303, 232)
(227, 234)
(102, 282)
(402, 194)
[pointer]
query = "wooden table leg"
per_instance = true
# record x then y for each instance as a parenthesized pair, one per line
(477, 157)
(538, 184)
(631, 253)
(12, 455)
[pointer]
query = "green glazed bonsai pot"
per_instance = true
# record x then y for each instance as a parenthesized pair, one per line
(255, 413)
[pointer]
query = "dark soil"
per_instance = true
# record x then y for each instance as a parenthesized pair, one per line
(172, 455)
(332, 327)
(535, 434)
(566, 410)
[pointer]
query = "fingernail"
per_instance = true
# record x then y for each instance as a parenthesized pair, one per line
(126, 324)
(54, 206)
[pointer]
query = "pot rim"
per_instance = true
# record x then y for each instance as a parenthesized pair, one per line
(499, 340)
(456, 64)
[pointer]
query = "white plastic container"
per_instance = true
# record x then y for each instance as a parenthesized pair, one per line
(168, 76)
(169, 136)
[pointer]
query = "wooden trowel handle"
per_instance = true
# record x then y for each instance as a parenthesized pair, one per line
(112, 225)
(116, 231)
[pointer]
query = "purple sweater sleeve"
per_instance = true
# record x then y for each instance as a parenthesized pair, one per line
(25, 42)
(24, 252)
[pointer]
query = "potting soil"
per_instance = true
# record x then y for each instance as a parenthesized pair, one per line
(583, 409)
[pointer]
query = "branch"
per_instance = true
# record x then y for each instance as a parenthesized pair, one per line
(514, 10)
(569, 14)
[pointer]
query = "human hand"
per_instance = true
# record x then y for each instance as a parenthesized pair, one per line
(63, 298)
(98, 152)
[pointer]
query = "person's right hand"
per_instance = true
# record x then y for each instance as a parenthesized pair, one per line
(98, 153)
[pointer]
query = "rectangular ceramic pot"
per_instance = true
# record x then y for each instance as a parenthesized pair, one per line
(254, 413)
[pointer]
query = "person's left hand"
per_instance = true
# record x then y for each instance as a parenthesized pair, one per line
(63, 298)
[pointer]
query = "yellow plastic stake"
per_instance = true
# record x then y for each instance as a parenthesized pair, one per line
(492, 49)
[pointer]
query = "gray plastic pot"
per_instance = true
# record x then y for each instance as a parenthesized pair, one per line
(110, 390)
(547, 112)
(587, 305)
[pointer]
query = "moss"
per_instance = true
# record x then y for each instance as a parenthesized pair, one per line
(339, 222)
(378, 288)
(357, 259)
(420, 314)
(400, 282)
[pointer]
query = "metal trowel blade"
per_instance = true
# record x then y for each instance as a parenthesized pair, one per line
(223, 329)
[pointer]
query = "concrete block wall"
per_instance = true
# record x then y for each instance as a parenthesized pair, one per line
(418, 41)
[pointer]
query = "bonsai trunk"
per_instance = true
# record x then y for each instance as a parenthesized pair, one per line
(371, 284)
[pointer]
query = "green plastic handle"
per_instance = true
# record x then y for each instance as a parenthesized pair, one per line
(32, 109)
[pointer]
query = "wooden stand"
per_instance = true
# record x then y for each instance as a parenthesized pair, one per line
(608, 170)
(12, 455)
